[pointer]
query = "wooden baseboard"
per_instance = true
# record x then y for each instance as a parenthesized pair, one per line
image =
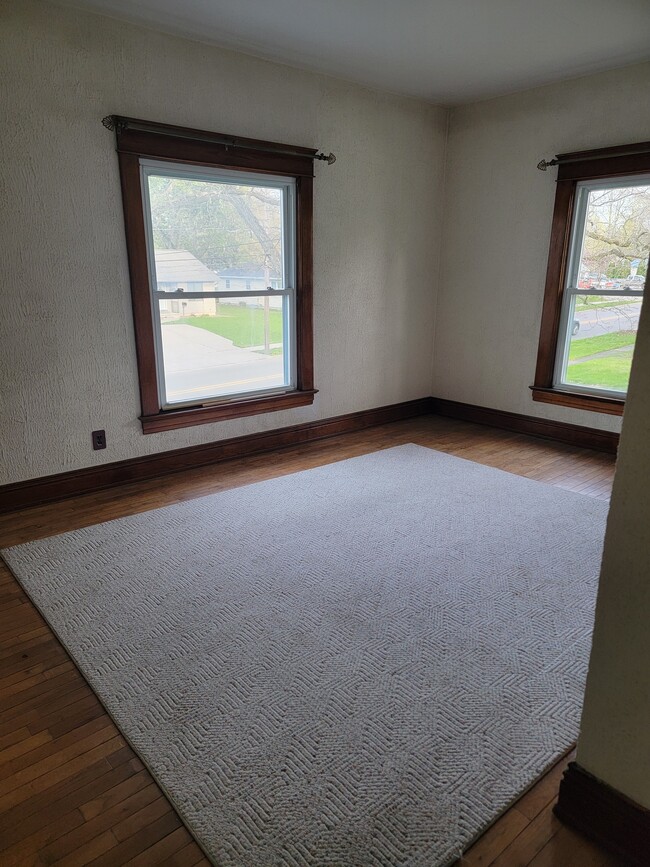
(573, 434)
(34, 492)
(47, 489)
(605, 815)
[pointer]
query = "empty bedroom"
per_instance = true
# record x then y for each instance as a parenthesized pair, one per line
(324, 426)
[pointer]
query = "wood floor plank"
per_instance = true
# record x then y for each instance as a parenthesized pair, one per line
(139, 842)
(116, 794)
(56, 753)
(530, 840)
(45, 686)
(120, 756)
(496, 839)
(161, 850)
(89, 852)
(23, 641)
(55, 775)
(568, 848)
(53, 717)
(69, 793)
(133, 824)
(188, 856)
(27, 818)
(24, 746)
(84, 711)
(34, 712)
(110, 819)
(80, 795)
(27, 849)
(26, 678)
(14, 737)
(533, 802)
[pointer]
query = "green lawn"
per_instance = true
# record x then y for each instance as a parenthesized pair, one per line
(243, 325)
(603, 343)
(612, 371)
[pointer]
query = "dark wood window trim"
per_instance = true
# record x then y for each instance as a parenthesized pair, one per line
(139, 139)
(573, 167)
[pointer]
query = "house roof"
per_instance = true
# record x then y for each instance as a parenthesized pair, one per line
(180, 266)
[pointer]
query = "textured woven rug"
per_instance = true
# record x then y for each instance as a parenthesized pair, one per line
(360, 664)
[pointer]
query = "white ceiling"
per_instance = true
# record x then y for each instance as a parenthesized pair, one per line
(445, 51)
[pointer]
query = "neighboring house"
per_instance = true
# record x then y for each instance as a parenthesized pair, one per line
(179, 269)
(250, 279)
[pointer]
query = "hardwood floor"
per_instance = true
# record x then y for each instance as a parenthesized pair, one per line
(73, 793)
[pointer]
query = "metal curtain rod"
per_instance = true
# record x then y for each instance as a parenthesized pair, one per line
(118, 123)
(542, 165)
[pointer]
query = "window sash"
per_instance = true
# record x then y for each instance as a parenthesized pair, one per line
(564, 344)
(288, 358)
(161, 295)
(608, 293)
(287, 186)
(571, 290)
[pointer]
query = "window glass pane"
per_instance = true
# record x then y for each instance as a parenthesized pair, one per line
(616, 238)
(219, 347)
(206, 232)
(602, 335)
(220, 234)
(610, 246)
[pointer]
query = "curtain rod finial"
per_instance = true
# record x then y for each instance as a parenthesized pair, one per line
(329, 158)
(542, 165)
(114, 122)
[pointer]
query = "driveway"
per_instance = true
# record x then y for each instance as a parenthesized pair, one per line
(200, 364)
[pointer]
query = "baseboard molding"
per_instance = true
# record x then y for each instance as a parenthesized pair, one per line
(605, 815)
(47, 489)
(572, 434)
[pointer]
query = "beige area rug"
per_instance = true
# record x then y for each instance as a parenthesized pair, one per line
(360, 664)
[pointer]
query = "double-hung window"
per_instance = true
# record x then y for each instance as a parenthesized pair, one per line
(596, 279)
(219, 241)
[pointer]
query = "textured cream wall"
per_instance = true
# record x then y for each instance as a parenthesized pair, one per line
(66, 340)
(497, 224)
(614, 742)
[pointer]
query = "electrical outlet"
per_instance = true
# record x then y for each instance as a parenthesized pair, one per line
(99, 439)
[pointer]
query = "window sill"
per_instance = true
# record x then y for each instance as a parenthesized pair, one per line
(172, 419)
(579, 400)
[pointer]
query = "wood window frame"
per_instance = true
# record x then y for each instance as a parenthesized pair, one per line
(138, 140)
(574, 167)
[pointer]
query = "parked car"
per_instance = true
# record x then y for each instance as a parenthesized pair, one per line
(575, 327)
(636, 282)
(592, 281)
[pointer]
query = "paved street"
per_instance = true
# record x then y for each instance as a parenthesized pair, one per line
(201, 364)
(606, 319)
